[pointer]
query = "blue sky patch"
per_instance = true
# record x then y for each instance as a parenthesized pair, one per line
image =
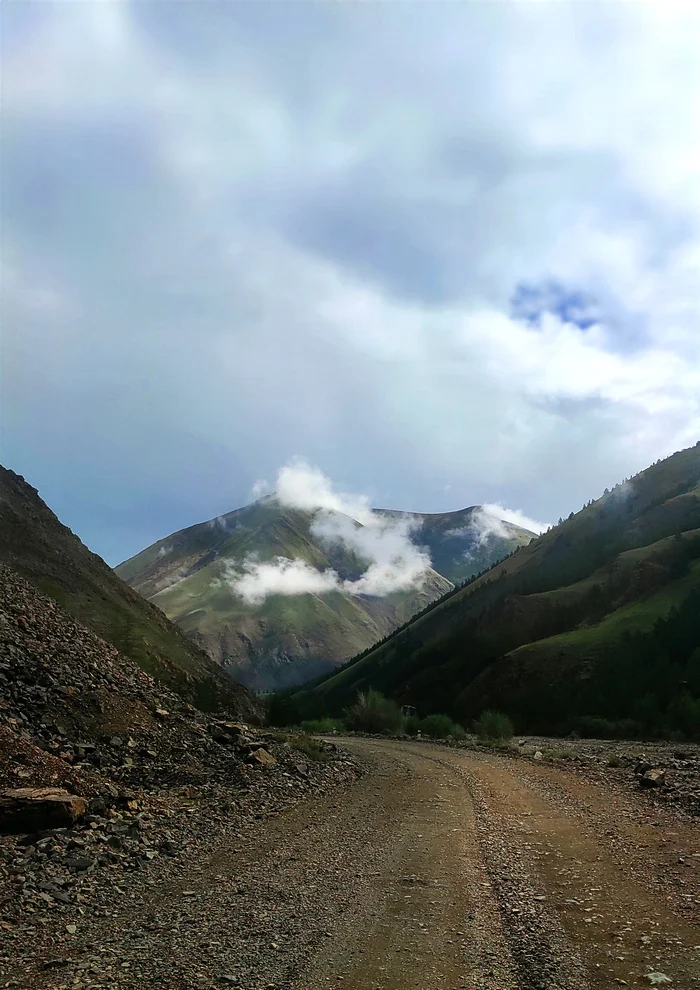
(531, 300)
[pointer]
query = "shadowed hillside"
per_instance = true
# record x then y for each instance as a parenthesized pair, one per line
(39, 547)
(594, 618)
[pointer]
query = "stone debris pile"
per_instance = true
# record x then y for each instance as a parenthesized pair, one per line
(107, 775)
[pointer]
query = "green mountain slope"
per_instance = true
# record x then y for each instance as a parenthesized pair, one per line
(539, 635)
(287, 639)
(45, 552)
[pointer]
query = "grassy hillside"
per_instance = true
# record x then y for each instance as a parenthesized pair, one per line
(286, 640)
(540, 633)
(39, 547)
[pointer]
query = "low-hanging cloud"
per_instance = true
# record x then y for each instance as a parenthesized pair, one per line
(256, 580)
(381, 543)
(396, 563)
(494, 521)
(300, 485)
(514, 516)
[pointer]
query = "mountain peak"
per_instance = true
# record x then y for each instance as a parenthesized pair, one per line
(278, 594)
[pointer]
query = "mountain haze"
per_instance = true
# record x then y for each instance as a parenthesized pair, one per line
(597, 617)
(281, 639)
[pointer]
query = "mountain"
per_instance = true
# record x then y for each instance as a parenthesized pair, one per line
(37, 546)
(597, 618)
(464, 542)
(285, 639)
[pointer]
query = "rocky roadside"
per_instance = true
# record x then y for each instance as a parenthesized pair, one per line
(110, 782)
(54, 883)
(662, 773)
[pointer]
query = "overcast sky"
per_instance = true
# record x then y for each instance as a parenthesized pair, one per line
(446, 252)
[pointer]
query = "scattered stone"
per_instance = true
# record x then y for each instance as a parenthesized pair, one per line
(653, 778)
(31, 809)
(263, 757)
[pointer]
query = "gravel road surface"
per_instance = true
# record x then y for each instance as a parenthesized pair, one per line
(438, 869)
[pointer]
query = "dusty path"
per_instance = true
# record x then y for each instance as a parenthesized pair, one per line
(439, 869)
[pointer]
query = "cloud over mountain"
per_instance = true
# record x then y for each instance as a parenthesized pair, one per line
(392, 561)
(459, 249)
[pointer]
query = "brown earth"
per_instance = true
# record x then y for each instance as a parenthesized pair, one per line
(438, 869)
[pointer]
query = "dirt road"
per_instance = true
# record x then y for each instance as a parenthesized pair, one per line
(439, 869)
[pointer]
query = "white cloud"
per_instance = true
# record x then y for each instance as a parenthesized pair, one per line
(495, 511)
(218, 522)
(255, 580)
(164, 551)
(324, 251)
(302, 486)
(396, 563)
(393, 562)
(490, 521)
(259, 489)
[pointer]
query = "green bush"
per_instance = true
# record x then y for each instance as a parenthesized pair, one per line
(593, 727)
(440, 727)
(493, 725)
(412, 725)
(323, 726)
(374, 713)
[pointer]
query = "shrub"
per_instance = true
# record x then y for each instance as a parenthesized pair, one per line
(493, 725)
(323, 726)
(283, 710)
(412, 725)
(440, 727)
(310, 747)
(594, 727)
(374, 713)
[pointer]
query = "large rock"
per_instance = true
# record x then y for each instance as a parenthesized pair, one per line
(262, 757)
(228, 732)
(33, 809)
(653, 778)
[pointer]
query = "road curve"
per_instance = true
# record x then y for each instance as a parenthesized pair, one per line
(439, 869)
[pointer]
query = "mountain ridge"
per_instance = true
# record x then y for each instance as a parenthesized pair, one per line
(535, 636)
(192, 573)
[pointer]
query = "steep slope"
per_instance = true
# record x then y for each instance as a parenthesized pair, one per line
(287, 639)
(44, 551)
(551, 633)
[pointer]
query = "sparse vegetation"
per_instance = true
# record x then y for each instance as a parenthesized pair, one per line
(494, 726)
(441, 727)
(372, 712)
(592, 628)
(323, 726)
(560, 754)
(310, 747)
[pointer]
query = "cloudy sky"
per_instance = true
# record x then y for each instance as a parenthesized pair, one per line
(447, 252)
